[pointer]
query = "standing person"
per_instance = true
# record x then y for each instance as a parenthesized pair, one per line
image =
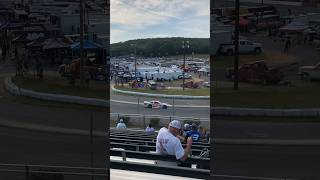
(287, 45)
(121, 125)
(168, 142)
(149, 129)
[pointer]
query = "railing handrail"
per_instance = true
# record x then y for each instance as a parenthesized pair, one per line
(27, 169)
(50, 166)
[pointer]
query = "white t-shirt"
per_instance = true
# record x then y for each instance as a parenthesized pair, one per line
(167, 143)
(121, 126)
(149, 129)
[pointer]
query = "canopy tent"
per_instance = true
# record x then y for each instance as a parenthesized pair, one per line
(36, 43)
(87, 45)
(56, 43)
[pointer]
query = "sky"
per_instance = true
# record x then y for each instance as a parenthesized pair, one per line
(138, 19)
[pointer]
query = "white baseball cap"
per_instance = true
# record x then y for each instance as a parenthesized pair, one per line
(175, 124)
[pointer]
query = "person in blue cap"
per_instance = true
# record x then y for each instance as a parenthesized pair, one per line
(194, 133)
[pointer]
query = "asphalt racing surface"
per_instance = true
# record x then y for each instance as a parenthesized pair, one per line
(183, 107)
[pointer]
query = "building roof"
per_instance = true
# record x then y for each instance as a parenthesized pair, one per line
(86, 45)
(20, 12)
(56, 43)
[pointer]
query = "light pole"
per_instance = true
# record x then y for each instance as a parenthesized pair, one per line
(185, 44)
(135, 61)
(236, 48)
(82, 11)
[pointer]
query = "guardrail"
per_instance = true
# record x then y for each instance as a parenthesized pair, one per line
(15, 90)
(158, 95)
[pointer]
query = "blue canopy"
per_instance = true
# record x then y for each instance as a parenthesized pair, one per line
(86, 45)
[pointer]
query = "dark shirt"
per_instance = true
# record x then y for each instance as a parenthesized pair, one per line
(195, 135)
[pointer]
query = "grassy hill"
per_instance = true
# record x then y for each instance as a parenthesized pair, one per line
(160, 47)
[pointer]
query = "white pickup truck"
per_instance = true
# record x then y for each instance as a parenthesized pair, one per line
(310, 72)
(245, 46)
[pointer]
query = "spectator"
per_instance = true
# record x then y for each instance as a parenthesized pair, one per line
(203, 132)
(150, 129)
(186, 128)
(87, 78)
(121, 125)
(287, 45)
(168, 142)
(194, 133)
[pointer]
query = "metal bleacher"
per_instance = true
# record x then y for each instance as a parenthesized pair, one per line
(138, 145)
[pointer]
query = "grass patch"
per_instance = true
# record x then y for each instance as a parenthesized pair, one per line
(272, 58)
(299, 95)
(58, 85)
(187, 91)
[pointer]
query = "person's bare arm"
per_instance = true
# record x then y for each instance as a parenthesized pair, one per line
(181, 138)
(187, 150)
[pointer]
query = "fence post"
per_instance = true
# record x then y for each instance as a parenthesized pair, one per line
(138, 106)
(91, 143)
(173, 106)
(27, 172)
(144, 121)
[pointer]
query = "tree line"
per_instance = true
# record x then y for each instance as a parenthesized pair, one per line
(158, 47)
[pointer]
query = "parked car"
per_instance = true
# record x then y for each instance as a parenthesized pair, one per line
(245, 46)
(310, 72)
(186, 76)
(156, 86)
(156, 104)
(206, 84)
(193, 84)
(257, 71)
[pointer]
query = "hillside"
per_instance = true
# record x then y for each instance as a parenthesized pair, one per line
(160, 47)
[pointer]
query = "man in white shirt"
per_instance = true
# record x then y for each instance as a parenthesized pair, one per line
(121, 125)
(168, 142)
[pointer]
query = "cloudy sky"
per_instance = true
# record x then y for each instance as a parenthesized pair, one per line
(134, 19)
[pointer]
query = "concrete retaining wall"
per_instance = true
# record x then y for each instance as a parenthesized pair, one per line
(159, 95)
(13, 89)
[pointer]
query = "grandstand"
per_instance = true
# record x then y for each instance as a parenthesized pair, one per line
(135, 150)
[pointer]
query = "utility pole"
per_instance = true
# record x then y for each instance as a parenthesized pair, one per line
(81, 41)
(185, 44)
(135, 61)
(236, 44)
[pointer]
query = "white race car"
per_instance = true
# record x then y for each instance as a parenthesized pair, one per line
(155, 104)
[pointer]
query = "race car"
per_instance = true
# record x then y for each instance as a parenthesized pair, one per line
(156, 104)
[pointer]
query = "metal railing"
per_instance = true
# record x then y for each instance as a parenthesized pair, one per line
(141, 121)
(35, 171)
